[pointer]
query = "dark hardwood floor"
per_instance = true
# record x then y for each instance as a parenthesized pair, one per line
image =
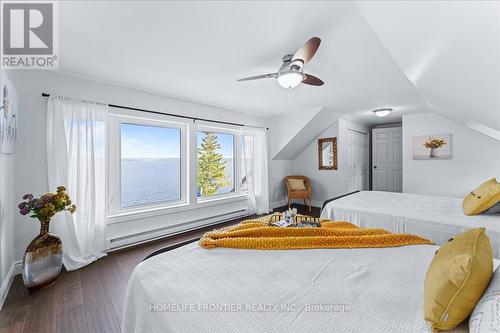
(89, 299)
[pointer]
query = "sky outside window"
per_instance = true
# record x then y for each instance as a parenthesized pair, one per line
(150, 164)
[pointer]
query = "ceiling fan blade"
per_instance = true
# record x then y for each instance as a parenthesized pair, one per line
(264, 76)
(312, 80)
(306, 52)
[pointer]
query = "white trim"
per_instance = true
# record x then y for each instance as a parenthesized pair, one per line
(221, 199)
(114, 208)
(18, 267)
(316, 203)
(133, 116)
(221, 129)
(284, 202)
(7, 282)
(150, 212)
(189, 199)
(277, 204)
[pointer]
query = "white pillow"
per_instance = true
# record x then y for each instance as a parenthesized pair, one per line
(486, 315)
(495, 209)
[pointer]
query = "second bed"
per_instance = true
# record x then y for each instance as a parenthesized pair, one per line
(433, 217)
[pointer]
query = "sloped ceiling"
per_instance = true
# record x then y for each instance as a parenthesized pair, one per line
(284, 128)
(412, 56)
(297, 141)
(197, 51)
(449, 50)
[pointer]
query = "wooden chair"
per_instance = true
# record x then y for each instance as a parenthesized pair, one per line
(299, 194)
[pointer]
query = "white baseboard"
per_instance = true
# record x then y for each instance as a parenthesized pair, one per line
(283, 202)
(277, 204)
(7, 282)
(18, 267)
(316, 203)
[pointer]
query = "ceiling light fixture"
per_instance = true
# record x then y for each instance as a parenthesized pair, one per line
(382, 112)
(290, 79)
(291, 72)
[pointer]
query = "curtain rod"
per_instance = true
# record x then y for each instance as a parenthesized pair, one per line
(172, 115)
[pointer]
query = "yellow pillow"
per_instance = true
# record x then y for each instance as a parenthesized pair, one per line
(457, 277)
(482, 198)
(296, 184)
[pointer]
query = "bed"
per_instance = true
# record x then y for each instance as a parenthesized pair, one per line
(433, 217)
(191, 289)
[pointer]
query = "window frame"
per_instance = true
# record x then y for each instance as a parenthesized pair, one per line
(242, 160)
(237, 154)
(116, 119)
(189, 157)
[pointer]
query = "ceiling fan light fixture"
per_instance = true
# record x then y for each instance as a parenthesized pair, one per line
(382, 112)
(291, 72)
(290, 80)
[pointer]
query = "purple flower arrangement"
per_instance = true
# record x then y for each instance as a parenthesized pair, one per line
(47, 205)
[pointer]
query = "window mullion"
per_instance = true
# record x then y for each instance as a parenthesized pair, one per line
(193, 164)
(114, 165)
(237, 163)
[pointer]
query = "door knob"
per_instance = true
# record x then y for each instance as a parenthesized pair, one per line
(374, 166)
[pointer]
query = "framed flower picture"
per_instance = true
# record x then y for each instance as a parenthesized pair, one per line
(435, 146)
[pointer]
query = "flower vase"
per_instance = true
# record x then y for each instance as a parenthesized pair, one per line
(42, 261)
(433, 152)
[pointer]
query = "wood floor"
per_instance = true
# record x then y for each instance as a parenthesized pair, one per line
(86, 300)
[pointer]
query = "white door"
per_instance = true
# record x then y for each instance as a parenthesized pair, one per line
(387, 159)
(357, 161)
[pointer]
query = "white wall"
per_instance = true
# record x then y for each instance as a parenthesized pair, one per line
(7, 207)
(7, 210)
(277, 173)
(291, 136)
(31, 160)
(475, 158)
(282, 129)
(327, 184)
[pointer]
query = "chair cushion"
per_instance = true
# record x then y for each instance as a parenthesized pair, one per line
(482, 198)
(456, 279)
(296, 184)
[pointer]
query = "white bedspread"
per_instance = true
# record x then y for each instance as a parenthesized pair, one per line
(374, 290)
(432, 217)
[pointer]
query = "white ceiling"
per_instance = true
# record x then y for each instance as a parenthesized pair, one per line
(368, 58)
(450, 51)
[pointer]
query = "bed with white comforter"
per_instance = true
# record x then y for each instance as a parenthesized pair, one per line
(433, 217)
(191, 289)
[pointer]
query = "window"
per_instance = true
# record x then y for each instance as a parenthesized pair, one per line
(243, 177)
(215, 163)
(150, 164)
(158, 164)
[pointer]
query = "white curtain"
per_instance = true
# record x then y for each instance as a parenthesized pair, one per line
(76, 144)
(256, 165)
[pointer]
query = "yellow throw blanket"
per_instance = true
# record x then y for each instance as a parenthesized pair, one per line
(258, 235)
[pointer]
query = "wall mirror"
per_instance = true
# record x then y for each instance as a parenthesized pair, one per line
(327, 153)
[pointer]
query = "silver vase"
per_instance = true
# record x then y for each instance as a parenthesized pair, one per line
(42, 261)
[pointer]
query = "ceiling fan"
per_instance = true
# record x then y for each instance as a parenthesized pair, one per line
(291, 73)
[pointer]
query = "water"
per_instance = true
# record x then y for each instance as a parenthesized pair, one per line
(147, 181)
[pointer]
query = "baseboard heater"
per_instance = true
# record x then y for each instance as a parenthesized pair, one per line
(120, 243)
